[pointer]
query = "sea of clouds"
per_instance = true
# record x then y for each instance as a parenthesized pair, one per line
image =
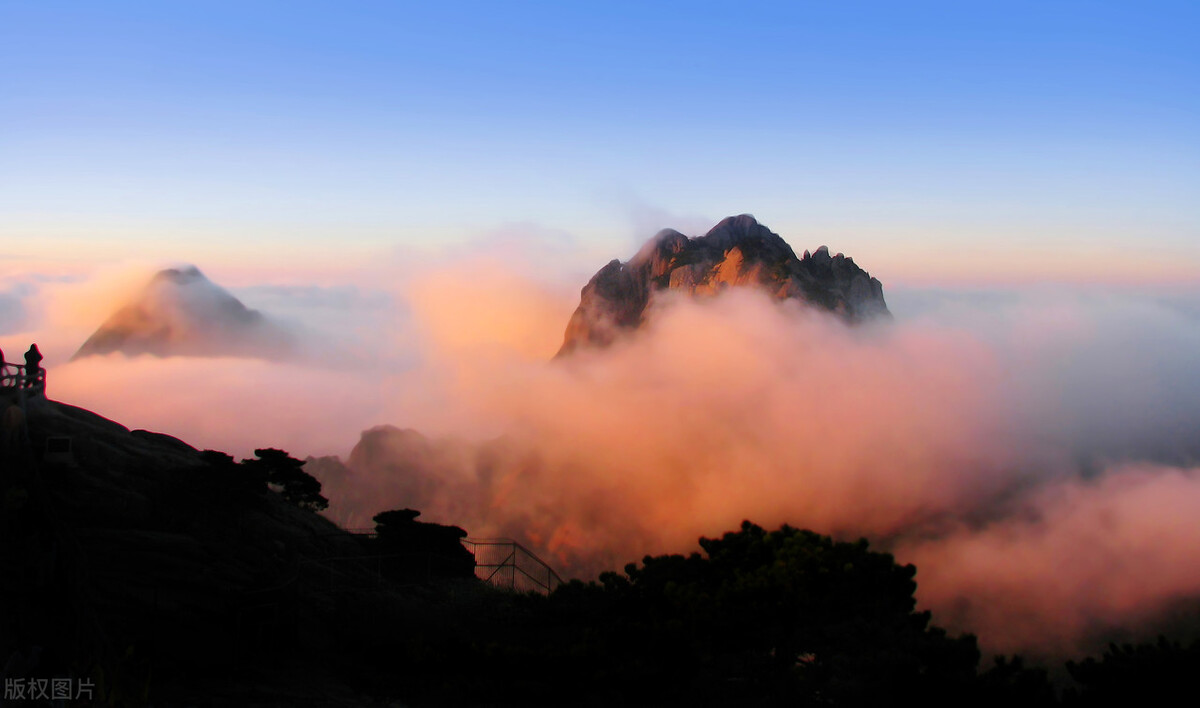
(1035, 452)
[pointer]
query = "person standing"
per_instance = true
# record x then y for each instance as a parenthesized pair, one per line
(33, 361)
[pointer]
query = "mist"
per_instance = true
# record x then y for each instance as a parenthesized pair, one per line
(1034, 452)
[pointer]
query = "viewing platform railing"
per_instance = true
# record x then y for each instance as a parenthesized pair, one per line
(15, 377)
(505, 563)
(501, 562)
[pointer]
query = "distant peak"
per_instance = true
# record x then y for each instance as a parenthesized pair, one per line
(181, 312)
(738, 251)
(181, 275)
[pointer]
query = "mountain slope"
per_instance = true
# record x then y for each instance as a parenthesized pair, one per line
(736, 252)
(182, 313)
(172, 577)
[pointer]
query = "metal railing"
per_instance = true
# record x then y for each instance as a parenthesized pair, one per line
(14, 376)
(505, 563)
(501, 562)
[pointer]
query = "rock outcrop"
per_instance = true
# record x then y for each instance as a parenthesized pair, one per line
(182, 313)
(739, 251)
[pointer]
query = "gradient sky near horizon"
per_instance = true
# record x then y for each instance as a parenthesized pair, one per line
(1009, 141)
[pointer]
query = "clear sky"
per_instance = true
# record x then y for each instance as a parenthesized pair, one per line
(927, 139)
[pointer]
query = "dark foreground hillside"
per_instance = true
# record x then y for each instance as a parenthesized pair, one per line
(167, 578)
(160, 575)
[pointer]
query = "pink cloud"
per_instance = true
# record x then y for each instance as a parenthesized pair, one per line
(940, 435)
(1078, 559)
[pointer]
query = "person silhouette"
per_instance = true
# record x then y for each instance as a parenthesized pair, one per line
(33, 360)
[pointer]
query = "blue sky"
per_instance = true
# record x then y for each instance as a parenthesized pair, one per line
(899, 132)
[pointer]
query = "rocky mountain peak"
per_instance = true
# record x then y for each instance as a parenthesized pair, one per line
(742, 230)
(738, 251)
(180, 276)
(180, 312)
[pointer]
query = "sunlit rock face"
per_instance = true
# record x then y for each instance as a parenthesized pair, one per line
(182, 313)
(739, 251)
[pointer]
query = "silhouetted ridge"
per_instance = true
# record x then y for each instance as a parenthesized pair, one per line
(738, 251)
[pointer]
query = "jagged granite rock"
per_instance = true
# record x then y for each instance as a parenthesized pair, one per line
(182, 313)
(739, 251)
